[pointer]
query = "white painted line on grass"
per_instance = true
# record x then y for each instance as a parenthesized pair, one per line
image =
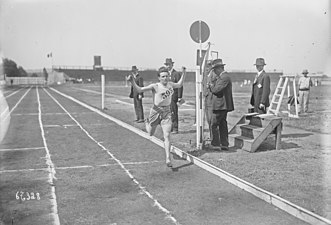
(143, 189)
(271, 198)
(131, 104)
(72, 125)
(99, 93)
(5, 111)
(24, 114)
(80, 167)
(23, 170)
(124, 103)
(50, 166)
(12, 93)
(107, 165)
(9, 114)
(20, 149)
(47, 114)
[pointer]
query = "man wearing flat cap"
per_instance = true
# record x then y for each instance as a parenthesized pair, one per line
(137, 97)
(177, 95)
(304, 87)
(261, 88)
(222, 100)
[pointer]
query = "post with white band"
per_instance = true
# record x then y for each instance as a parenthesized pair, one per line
(102, 91)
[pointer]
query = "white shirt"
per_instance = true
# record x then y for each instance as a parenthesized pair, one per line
(304, 83)
(162, 94)
(257, 75)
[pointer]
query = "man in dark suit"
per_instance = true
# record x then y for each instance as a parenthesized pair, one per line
(176, 97)
(261, 88)
(221, 88)
(137, 97)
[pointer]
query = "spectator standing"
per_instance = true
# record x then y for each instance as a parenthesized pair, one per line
(261, 88)
(177, 95)
(221, 88)
(45, 75)
(137, 97)
(304, 84)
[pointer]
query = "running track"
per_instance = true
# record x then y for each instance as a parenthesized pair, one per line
(89, 170)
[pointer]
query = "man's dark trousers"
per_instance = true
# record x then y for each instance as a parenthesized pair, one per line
(174, 114)
(138, 107)
(220, 128)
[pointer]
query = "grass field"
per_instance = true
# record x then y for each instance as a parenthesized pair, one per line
(299, 172)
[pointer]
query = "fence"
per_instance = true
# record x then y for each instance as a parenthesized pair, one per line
(25, 80)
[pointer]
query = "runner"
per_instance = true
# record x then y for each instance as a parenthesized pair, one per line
(160, 112)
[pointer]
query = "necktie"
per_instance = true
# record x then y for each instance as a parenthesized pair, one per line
(255, 80)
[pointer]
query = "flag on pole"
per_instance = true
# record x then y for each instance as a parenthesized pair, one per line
(50, 55)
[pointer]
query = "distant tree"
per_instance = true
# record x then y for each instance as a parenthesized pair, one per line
(34, 75)
(22, 72)
(11, 70)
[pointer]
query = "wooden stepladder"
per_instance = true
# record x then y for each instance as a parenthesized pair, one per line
(277, 98)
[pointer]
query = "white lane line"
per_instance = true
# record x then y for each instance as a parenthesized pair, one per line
(51, 125)
(75, 125)
(12, 93)
(23, 170)
(9, 114)
(108, 164)
(81, 167)
(19, 149)
(24, 114)
(58, 125)
(99, 93)
(269, 197)
(143, 189)
(48, 114)
(124, 103)
(131, 104)
(6, 111)
(50, 166)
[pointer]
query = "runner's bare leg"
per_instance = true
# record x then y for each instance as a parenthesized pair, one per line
(166, 127)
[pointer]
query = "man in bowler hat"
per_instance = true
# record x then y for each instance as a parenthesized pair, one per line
(137, 97)
(222, 100)
(261, 88)
(177, 95)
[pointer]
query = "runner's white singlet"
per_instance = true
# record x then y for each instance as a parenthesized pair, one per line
(162, 94)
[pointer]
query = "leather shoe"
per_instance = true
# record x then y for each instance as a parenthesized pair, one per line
(226, 148)
(140, 121)
(213, 147)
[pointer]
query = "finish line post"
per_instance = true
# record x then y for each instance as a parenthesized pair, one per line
(102, 91)
(199, 32)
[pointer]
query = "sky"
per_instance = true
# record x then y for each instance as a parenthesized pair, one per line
(291, 35)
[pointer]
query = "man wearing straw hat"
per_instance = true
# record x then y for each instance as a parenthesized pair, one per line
(304, 87)
(261, 88)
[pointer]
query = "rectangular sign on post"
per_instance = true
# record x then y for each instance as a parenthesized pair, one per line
(200, 59)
